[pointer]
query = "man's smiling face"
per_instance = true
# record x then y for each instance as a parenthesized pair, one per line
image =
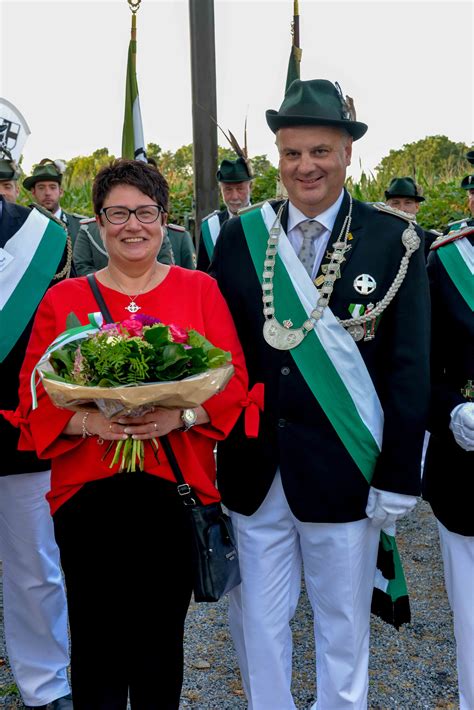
(313, 162)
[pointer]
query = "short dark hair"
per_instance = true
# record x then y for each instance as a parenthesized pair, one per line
(143, 176)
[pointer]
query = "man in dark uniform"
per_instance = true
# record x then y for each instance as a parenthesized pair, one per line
(45, 186)
(343, 392)
(32, 253)
(90, 253)
(235, 182)
(404, 194)
(449, 463)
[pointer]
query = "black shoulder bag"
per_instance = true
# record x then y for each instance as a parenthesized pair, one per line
(215, 560)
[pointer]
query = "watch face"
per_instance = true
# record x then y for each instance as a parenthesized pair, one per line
(188, 416)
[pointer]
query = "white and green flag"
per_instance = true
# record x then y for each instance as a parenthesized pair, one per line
(133, 142)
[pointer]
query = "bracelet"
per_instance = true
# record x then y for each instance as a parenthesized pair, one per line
(85, 432)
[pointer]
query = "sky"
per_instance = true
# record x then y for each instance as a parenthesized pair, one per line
(408, 66)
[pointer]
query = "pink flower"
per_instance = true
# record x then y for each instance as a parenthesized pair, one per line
(133, 327)
(178, 334)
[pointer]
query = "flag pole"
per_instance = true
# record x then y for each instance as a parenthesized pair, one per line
(296, 51)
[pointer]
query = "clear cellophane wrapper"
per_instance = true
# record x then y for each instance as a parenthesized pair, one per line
(136, 400)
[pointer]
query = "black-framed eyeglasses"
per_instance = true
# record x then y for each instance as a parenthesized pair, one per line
(119, 215)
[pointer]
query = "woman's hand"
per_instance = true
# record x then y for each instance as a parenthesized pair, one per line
(152, 425)
(156, 423)
(94, 424)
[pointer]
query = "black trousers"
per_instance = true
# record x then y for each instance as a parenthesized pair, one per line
(126, 554)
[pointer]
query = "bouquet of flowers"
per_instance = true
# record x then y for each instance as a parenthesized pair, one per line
(129, 367)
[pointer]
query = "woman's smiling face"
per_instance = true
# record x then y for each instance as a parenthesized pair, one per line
(134, 240)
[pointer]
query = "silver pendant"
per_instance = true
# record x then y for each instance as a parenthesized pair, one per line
(365, 284)
(356, 332)
(132, 307)
(281, 338)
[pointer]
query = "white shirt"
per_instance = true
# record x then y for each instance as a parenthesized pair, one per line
(326, 218)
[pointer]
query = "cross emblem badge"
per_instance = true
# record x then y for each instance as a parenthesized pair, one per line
(365, 284)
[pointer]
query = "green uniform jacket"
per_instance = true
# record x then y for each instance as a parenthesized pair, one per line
(90, 254)
(183, 247)
(72, 222)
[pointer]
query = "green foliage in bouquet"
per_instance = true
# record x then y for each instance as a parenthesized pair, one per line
(139, 350)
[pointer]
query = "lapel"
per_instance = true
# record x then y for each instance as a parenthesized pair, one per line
(11, 220)
(354, 232)
(63, 217)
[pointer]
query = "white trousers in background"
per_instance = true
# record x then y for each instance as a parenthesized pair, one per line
(458, 559)
(339, 561)
(34, 602)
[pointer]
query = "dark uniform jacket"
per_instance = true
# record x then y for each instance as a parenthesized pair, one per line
(202, 256)
(321, 481)
(90, 254)
(11, 460)
(449, 469)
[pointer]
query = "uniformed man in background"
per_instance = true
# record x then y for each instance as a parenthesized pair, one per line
(235, 182)
(35, 612)
(449, 463)
(45, 186)
(404, 194)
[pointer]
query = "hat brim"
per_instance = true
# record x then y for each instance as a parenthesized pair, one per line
(275, 121)
(31, 181)
(417, 198)
(240, 179)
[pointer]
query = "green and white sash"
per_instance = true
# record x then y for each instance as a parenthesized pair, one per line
(210, 228)
(328, 357)
(32, 255)
(458, 259)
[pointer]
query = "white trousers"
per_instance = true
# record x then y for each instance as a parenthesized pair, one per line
(458, 559)
(35, 612)
(339, 561)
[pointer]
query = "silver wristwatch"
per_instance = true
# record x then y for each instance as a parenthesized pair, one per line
(188, 417)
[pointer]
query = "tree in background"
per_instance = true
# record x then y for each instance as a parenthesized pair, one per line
(437, 164)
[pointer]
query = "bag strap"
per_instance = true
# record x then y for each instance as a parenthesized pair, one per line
(185, 491)
(99, 298)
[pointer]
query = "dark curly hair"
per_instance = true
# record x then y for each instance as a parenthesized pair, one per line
(143, 176)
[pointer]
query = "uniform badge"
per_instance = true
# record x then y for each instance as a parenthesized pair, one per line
(365, 284)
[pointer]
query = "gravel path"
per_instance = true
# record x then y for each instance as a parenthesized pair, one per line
(412, 669)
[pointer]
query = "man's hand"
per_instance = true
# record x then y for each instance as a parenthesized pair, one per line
(462, 425)
(384, 508)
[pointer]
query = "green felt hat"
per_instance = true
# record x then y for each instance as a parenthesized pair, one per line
(8, 168)
(404, 187)
(47, 170)
(470, 157)
(317, 102)
(468, 182)
(234, 171)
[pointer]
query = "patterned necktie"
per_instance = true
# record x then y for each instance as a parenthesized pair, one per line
(311, 230)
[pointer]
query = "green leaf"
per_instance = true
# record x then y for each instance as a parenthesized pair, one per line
(157, 335)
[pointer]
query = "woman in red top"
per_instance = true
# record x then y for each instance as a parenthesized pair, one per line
(123, 537)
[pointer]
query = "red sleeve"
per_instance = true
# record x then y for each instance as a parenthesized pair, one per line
(47, 421)
(224, 408)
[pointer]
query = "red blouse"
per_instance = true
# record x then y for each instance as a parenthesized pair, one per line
(190, 299)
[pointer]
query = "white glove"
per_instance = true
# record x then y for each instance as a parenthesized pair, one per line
(462, 425)
(384, 508)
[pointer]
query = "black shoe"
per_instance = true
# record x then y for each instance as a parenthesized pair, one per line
(64, 703)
